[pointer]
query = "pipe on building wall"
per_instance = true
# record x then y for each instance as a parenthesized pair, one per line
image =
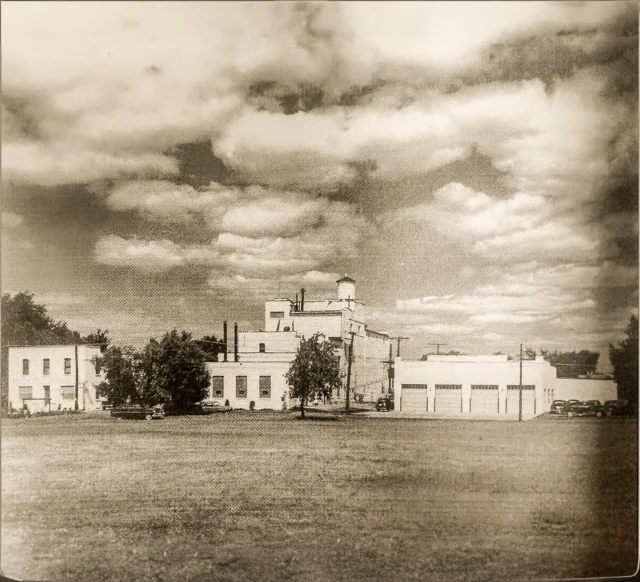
(235, 342)
(302, 299)
(224, 341)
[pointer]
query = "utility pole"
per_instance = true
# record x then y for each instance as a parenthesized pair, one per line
(76, 354)
(399, 340)
(438, 347)
(353, 333)
(520, 388)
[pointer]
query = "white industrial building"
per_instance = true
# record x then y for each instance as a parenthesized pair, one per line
(254, 365)
(56, 377)
(488, 386)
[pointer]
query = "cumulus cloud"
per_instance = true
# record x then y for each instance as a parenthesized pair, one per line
(150, 256)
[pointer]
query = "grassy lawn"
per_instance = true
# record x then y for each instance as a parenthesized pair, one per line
(270, 497)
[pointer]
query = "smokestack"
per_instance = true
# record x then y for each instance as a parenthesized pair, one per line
(302, 299)
(235, 342)
(224, 342)
(295, 307)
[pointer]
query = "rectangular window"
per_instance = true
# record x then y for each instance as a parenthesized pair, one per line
(265, 386)
(524, 387)
(276, 314)
(448, 386)
(47, 394)
(25, 367)
(67, 365)
(217, 386)
(262, 348)
(241, 386)
(45, 366)
(25, 392)
(484, 386)
(68, 392)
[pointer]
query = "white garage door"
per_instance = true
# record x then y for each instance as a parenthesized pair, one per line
(414, 398)
(448, 398)
(484, 398)
(528, 399)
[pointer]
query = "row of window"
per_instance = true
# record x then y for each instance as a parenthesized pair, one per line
(264, 387)
(66, 392)
(474, 387)
(46, 366)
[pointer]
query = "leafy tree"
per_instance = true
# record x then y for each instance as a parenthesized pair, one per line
(211, 346)
(122, 372)
(100, 338)
(315, 371)
(529, 354)
(572, 364)
(176, 370)
(624, 359)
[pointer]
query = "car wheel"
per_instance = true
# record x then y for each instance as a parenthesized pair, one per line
(599, 413)
(569, 414)
(148, 417)
(608, 413)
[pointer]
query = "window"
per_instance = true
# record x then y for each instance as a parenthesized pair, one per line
(276, 314)
(47, 394)
(25, 392)
(25, 367)
(262, 348)
(68, 392)
(45, 366)
(484, 386)
(265, 386)
(448, 386)
(524, 387)
(67, 365)
(217, 386)
(241, 386)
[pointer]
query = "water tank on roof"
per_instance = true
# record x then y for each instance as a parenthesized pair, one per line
(346, 288)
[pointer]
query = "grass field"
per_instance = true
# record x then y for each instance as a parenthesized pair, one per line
(269, 497)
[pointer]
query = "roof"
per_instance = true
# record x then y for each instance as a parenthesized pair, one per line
(346, 279)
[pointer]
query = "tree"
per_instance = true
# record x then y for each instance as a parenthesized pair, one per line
(529, 354)
(175, 370)
(171, 372)
(315, 371)
(572, 364)
(211, 346)
(99, 338)
(624, 359)
(122, 372)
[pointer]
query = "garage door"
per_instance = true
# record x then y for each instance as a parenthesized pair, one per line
(528, 399)
(414, 398)
(448, 398)
(484, 398)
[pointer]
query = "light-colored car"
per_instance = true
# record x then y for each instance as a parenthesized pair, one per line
(137, 411)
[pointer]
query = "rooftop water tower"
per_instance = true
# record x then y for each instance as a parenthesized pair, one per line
(346, 288)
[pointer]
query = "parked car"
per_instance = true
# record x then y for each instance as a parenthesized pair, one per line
(385, 403)
(138, 411)
(557, 406)
(583, 409)
(106, 405)
(616, 407)
(211, 407)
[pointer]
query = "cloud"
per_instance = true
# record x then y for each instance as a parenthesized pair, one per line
(149, 256)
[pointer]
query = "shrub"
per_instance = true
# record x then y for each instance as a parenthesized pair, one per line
(252, 405)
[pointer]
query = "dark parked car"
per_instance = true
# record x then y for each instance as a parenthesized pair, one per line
(583, 409)
(557, 406)
(138, 411)
(211, 407)
(385, 403)
(616, 407)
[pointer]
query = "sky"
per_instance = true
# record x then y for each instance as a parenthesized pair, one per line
(472, 165)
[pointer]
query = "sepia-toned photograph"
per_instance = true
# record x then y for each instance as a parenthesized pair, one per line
(319, 291)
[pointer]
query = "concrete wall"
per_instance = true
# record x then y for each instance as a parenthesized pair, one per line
(585, 389)
(279, 346)
(253, 371)
(468, 370)
(56, 378)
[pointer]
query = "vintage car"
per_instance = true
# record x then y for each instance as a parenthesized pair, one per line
(211, 407)
(616, 407)
(138, 411)
(385, 403)
(589, 408)
(557, 406)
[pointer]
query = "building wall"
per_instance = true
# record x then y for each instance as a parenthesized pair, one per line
(585, 389)
(252, 370)
(278, 346)
(468, 370)
(55, 379)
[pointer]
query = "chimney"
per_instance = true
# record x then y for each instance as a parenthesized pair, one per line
(224, 342)
(302, 299)
(235, 342)
(295, 305)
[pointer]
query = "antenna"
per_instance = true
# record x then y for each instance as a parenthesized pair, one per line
(438, 344)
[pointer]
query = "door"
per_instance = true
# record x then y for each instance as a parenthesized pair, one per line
(484, 398)
(414, 398)
(47, 398)
(448, 398)
(528, 399)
